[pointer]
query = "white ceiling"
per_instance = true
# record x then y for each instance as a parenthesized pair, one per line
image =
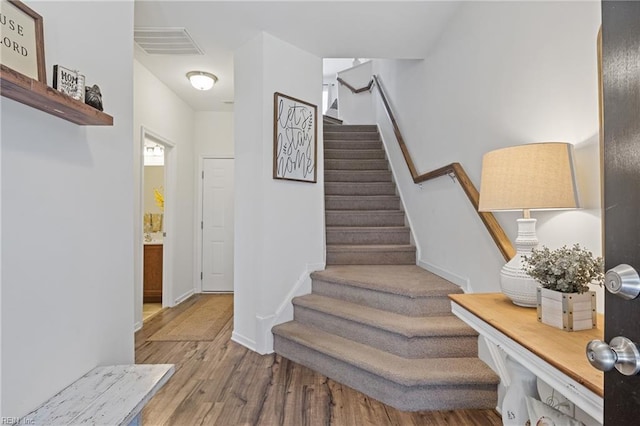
(328, 29)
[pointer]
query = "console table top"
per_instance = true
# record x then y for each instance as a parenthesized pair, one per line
(563, 350)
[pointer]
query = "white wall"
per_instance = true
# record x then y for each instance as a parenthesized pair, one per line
(159, 110)
(503, 73)
(67, 192)
(279, 228)
(153, 179)
(356, 108)
(213, 133)
(213, 138)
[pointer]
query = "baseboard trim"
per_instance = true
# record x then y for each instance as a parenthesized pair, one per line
(284, 313)
(400, 190)
(184, 297)
(264, 324)
(244, 341)
(461, 282)
(137, 326)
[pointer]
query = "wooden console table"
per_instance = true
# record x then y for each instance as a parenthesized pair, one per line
(557, 357)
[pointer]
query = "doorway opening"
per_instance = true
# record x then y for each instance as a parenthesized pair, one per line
(155, 236)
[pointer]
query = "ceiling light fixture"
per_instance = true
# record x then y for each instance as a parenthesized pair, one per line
(202, 80)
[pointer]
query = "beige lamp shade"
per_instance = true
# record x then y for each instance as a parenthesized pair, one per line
(533, 176)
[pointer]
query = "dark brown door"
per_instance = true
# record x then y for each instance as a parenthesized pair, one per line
(621, 103)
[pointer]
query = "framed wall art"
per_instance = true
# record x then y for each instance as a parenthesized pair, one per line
(295, 133)
(22, 40)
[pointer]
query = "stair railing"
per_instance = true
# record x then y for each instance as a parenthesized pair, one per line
(453, 170)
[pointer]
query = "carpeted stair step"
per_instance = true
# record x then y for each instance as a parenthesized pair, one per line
(353, 144)
(357, 176)
(364, 218)
(330, 121)
(354, 154)
(409, 337)
(351, 128)
(403, 289)
(362, 202)
(359, 188)
(368, 235)
(406, 384)
(361, 136)
(338, 164)
(371, 255)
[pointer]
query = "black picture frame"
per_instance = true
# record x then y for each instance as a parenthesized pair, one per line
(295, 135)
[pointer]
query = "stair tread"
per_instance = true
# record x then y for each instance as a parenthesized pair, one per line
(370, 247)
(405, 371)
(407, 326)
(366, 211)
(361, 171)
(352, 150)
(366, 228)
(375, 197)
(349, 127)
(406, 280)
(359, 184)
(373, 132)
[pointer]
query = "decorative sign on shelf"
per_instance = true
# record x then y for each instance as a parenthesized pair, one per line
(69, 82)
(22, 37)
(295, 133)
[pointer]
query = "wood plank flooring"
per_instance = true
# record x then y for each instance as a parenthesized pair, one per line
(220, 382)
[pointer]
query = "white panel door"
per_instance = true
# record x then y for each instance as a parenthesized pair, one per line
(217, 225)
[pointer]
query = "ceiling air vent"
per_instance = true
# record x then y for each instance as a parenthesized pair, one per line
(166, 41)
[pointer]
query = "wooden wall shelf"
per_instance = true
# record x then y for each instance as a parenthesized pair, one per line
(40, 96)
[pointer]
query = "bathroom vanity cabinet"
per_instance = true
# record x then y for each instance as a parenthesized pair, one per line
(152, 273)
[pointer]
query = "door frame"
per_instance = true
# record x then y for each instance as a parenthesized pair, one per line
(170, 185)
(197, 276)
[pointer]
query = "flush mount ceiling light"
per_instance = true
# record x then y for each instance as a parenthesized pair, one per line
(202, 80)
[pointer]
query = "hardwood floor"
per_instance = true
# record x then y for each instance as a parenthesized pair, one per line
(220, 382)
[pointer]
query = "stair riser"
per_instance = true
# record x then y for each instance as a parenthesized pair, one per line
(360, 136)
(357, 154)
(359, 188)
(362, 203)
(339, 218)
(356, 176)
(415, 347)
(341, 236)
(350, 128)
(382, 257)
(357, 145)
(406, 398)
(334, 164)
(421, 306)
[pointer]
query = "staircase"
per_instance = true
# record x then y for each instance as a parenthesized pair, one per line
(374, 320)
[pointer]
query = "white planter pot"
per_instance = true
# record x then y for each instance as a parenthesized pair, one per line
(567, 311)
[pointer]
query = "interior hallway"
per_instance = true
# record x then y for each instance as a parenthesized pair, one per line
(220, 382)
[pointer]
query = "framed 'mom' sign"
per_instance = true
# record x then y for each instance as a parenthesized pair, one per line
(295, 134)
(22, 40)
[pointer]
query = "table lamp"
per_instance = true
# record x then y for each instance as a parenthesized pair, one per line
(537, 176)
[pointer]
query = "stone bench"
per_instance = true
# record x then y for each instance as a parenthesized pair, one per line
(112, 395)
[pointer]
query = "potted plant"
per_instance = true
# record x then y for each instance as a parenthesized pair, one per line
(564, 299)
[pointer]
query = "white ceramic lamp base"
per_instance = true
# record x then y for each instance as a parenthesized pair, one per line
(516, 284)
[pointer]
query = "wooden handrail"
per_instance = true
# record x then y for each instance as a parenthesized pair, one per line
(353, 89)
(454, 170)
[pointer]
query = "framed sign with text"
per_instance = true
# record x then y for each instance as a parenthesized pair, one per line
(295, 132)
(22, 40)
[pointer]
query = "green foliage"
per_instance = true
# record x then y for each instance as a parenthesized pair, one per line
(567, 270)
